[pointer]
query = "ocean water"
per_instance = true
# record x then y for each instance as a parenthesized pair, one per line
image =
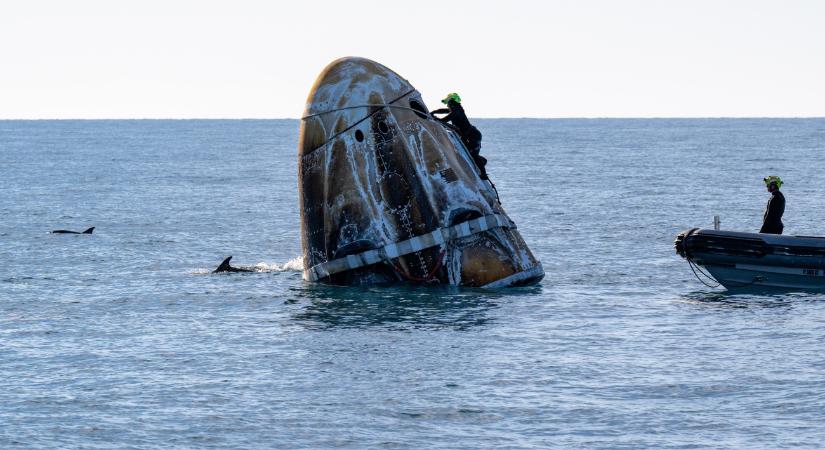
(124, 339)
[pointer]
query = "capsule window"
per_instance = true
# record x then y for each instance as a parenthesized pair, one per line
(359, 135)
(420, 110)
(382, 127)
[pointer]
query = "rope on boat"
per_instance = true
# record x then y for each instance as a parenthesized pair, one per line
(695, 267)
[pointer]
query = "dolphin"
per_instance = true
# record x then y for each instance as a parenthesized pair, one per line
(225, 267)
(88, 231)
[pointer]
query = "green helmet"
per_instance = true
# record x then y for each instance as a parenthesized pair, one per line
(773, 179)
(451, 96)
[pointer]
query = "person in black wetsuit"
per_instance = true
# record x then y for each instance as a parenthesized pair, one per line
(772, 222)
(469, 134)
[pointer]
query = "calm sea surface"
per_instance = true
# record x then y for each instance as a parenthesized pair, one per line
(124, 338)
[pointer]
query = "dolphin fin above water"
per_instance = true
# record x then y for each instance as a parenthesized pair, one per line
(87, 231)
(225, 267)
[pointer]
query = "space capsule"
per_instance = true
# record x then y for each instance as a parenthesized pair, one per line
(388, 194)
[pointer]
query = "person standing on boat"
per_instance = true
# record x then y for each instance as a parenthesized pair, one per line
(772, 222)
(468, 133)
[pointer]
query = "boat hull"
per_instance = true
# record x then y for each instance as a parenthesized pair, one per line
(742, 276)
(745, 260)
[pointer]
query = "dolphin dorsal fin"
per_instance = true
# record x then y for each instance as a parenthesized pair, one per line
(224, 267)
(89, 231)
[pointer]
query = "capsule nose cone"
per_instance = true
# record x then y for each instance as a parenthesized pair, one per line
(341, 96)
(353, 80)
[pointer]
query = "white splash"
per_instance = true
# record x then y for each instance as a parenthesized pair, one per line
(293, 265)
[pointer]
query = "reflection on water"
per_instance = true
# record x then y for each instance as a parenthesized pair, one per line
(751, 297)
(398, 307)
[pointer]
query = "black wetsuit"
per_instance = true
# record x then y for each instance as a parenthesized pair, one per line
(469, 134)
(772, 222)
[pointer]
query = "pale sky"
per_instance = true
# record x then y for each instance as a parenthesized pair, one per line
(510, 58)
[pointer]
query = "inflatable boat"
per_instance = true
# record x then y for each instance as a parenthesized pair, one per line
(738, 260)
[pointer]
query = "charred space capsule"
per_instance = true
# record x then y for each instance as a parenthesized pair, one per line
(388, 194)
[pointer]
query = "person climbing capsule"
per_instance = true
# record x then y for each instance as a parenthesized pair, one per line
(772, 220)
(469, 134)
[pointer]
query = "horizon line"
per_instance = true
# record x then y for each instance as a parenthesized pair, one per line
(22, 119)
